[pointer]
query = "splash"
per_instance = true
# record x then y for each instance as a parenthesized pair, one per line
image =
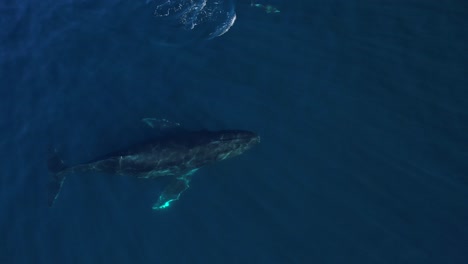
(212, 18)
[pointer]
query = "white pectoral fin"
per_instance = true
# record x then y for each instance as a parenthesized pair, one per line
(55, 184)
(172, 192)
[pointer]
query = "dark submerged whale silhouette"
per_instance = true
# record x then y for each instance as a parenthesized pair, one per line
(177, 156)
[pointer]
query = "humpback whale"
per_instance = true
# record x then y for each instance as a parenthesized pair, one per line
(176, 155)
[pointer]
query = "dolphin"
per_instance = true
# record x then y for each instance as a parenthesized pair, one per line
(176, 155)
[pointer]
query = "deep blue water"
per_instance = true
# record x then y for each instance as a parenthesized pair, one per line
(362, 107)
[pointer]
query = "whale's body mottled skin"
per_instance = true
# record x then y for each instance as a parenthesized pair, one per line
(177, 156)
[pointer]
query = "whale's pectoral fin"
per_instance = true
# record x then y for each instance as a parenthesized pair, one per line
(54, 186)
(172, 192)
(56, 168)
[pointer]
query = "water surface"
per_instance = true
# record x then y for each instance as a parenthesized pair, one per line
(361, 105)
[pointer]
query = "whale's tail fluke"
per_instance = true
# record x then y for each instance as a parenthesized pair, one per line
(56, 167)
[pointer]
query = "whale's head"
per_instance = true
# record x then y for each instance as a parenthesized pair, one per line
(224, 144)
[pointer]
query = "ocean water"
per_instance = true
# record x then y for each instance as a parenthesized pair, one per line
(362, 107)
